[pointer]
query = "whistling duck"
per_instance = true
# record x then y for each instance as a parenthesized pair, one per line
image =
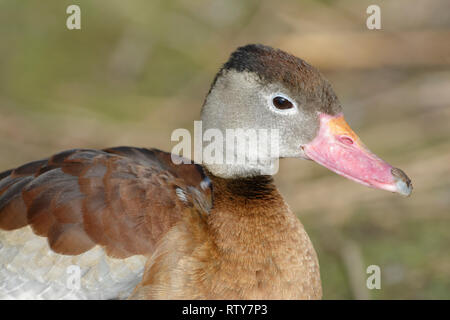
(139, 226)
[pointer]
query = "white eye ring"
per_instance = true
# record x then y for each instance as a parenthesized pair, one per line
(273, 108)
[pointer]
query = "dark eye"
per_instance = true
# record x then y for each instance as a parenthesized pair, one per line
(282, 103)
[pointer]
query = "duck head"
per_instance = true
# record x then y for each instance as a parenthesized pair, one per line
(265, 88)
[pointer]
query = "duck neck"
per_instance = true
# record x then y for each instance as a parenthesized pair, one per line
(249, 216)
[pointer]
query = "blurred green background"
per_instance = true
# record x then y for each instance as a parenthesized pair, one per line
(139, 69)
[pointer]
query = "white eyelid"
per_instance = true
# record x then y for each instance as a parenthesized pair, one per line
(293, 110)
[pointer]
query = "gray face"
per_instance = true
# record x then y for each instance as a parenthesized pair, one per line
(242, 97)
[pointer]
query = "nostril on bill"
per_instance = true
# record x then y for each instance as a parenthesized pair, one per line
(346, 140)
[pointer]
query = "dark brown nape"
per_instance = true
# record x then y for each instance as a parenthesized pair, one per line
(277, 66)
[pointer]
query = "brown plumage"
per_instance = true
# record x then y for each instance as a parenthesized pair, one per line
(120, 198)
(250, 246)
(124, 199)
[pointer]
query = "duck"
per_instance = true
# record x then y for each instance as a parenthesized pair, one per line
(132, 223)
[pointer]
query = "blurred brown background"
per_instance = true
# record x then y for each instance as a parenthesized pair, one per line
(138, 70)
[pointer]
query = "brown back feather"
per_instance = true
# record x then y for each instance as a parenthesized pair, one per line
(124, 199)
